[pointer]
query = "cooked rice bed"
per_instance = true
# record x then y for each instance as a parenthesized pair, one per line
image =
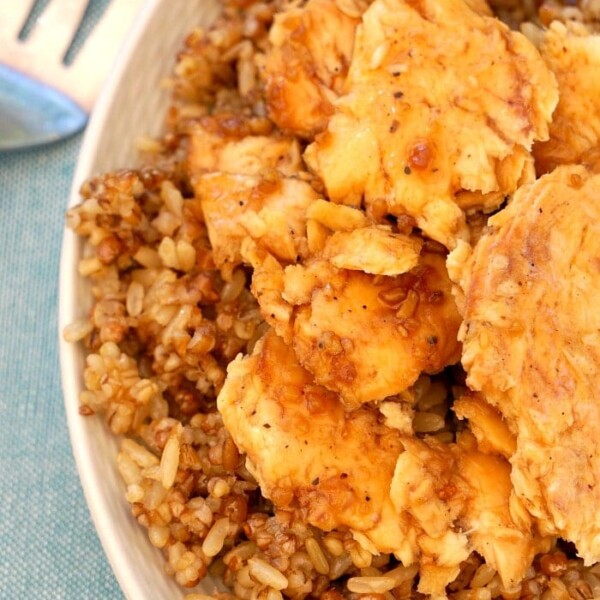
(162, 329)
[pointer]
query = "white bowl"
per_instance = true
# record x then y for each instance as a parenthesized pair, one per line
(131, 104)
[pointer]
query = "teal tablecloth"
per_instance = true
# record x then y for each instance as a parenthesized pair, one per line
(48, 546)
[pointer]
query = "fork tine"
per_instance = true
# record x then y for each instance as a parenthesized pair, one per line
(81, 80)
(99, 50)
(56, 28)
(13, 16)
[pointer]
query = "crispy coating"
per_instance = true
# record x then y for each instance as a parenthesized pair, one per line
(270, 211)
(363, 336)
(481, 7)
(306, 65)
(487, 425)
(305, 450)
(532, 346)
(368, 338)
(425, 501)
(459, 101)
(373, 250)
(460, 499)
(573, 55)
(227, 144)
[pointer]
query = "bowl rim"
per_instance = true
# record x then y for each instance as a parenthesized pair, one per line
(119, 555)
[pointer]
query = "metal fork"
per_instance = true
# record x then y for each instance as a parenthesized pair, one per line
(41, 98)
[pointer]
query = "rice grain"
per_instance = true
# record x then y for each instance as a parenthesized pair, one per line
(169, 463)
(158, 536)
(76, 331)
(371, 585)
(266, 574)
(317, 556)
(427, 422)
(213, 543)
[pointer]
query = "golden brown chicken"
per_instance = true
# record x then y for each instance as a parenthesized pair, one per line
(427, 502)
(441, 109)
(573, 54)
(363, 336)
(373, 250)
(532, 346)
(229, 144)
(306, 66)
(271, 211)
(369, 337)
(305, 450)
(459, 500)
(487, 424)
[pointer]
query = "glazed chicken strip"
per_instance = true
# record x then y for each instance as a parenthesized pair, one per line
(306, 65)
(459, 101)
(368, 338)
(573, 55)
(373, 250)
(228, 144)
(425, 501)
(532, 346)
(460, 500)
(363, 336)
(305, 450)
(270, 211)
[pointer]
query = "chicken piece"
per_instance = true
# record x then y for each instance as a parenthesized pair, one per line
(460, 500)
(459, 101)
(373, 250)
(305, 450)
(426, 502)
(423, 487)
(481, 7)
(532, 346)
(573, 55)
(271, 211)
(227, 144)
(306, 65)
(365, 337)
(487, 424)
(368, 338)
(268, 283)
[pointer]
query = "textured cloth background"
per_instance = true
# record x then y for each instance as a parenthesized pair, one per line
(48, 545)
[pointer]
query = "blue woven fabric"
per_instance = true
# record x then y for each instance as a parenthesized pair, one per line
(48, 545)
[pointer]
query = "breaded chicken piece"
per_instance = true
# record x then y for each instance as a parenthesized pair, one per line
(363, 336)
(373, 250)
(441, 109)
(487, 425)
(227, 144)
(428, 503)
(306, 65)
(573, 54)
(305, 450)
(460, 500)
(369, 338)
(270, 211)
(481, 7)
(532, 346)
